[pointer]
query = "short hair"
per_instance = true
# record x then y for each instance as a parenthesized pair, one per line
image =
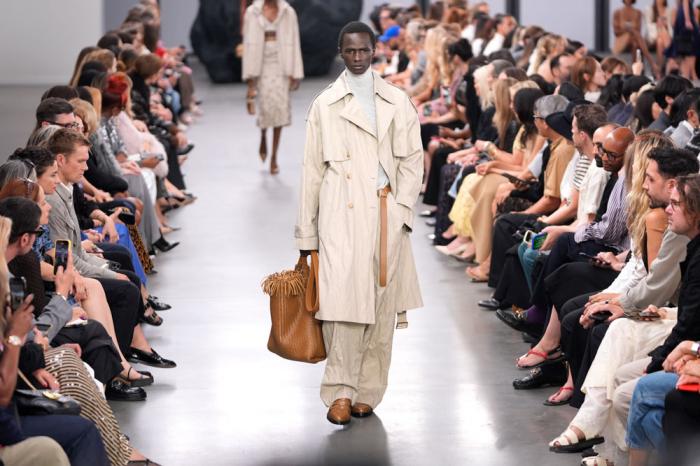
(689, 194)
(633, 84)
(516, 73)
(50, 108)
(111, 42)
(570, 91)
(356, 27)
(24, 214)
(674, 162)
(542, 83)
(502, 54)
(556, 60)
(499, 65)
(148, 65)
(461, 48)
(670, 86)
(545, 106)
(62, 92)
(64, 141)
(40, 157)
(590, 117)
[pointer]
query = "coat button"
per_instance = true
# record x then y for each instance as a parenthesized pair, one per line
(350, 205)
(348, 176)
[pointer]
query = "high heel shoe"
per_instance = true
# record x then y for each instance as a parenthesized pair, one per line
(163, 245)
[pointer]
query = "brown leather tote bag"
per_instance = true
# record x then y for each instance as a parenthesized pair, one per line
(295, 332)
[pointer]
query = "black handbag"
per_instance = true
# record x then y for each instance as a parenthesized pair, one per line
(35, 402)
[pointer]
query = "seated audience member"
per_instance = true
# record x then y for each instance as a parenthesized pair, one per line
(665, 92)
(615, 371)
(78, 437)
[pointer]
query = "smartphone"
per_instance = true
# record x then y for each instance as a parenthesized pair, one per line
(134, 157)
(601, 316)
(61, 254)
(43, 328)
(639, 55)
(427, 110)
(689, 387)
(538, 240)
(649, 315)
(593, 258)
(18, 291)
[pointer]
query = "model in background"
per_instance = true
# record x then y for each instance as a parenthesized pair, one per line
(627, 27)
(685, 45)
(272, 66)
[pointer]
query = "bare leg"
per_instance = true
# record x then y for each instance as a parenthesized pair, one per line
(263, 145)
(638, 457)
(276, 133)
(139, 341)
(565, 392)
(97, 308)
(548, 342)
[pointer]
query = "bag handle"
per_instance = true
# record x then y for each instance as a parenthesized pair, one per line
(311, 299)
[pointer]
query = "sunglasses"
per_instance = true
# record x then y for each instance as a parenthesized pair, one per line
(610, 155)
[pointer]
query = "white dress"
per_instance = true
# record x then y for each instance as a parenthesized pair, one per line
(274, 108)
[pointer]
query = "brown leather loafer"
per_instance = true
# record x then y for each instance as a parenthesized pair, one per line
(361, 410)
(339, 412)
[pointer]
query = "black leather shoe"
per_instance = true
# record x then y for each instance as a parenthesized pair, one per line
(157, 304)
(551, 375)
(117, 390)
(431, 222)
(152, 359)
(491, 303)
(428, 213)
(163, 245)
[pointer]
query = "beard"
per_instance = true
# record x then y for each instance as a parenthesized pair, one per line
(657, 204)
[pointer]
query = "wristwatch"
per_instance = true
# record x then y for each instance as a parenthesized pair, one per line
(14, 340)
(695, 348)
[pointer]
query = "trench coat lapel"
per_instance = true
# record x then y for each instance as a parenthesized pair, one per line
(353, 112)
(385, 106)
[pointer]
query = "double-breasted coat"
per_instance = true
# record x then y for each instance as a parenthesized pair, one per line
(339, 206)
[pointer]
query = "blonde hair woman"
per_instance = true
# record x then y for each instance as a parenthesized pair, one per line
(272, 66)
(548, 47)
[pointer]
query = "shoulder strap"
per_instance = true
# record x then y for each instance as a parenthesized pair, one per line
(311, 298)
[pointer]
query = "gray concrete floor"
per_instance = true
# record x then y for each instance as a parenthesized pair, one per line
(231, 402)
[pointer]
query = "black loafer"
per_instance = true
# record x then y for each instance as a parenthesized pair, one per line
(157, 304)
(117, 390)
(491, 303)
(518, 321)
(554, 375)
(431, 222)
(152, 359)
(163, 245)
(185, 150)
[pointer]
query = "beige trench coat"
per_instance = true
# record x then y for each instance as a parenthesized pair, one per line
(287, 38)
(339, 208)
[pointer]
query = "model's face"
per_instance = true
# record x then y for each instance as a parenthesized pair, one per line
(357, 52)
(657, 187)
(678, 219)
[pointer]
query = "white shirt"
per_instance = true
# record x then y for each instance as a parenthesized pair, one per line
(495, 44)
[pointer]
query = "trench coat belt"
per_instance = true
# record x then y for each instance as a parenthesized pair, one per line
(383, 242)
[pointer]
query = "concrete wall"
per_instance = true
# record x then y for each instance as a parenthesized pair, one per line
(40, 39)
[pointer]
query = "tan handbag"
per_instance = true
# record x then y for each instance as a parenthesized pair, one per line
(295, 333)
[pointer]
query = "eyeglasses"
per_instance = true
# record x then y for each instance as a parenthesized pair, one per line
(71, 125)
(610, 155)
(37, 232)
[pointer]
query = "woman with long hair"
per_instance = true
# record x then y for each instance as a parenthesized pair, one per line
(272, 66)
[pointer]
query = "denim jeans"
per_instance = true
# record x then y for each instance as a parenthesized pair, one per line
(644, 429)
(528, 257)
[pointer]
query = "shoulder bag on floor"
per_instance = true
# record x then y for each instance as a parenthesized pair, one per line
(35, 402)
(295, 332)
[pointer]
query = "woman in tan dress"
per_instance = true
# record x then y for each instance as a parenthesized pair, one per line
(272, 66)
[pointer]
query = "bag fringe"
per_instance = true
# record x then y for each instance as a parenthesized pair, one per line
(286, 283)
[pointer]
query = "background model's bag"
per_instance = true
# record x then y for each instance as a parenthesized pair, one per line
(295, 333)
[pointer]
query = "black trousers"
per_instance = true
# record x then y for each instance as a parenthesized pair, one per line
(78, 437)
(118, 253)
(512, 287)
(432, 188)
(574, 279)
(124, 299)
(565, 250)
(681, 425)
(448, 175)
(97, 348)
(503, 240)
(580, 345)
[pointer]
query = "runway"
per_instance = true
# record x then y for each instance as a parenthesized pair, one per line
(231, 402)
